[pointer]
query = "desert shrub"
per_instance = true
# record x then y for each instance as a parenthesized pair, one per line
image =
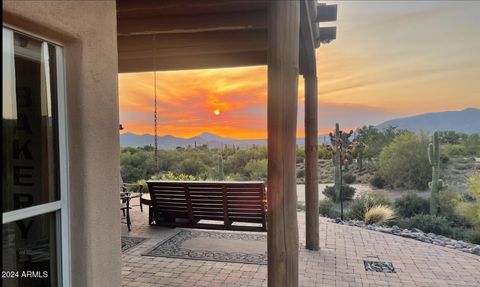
(452, 150)
(324, 153)
(473, 236)
(300, 206)
(471, 209)
(448, 200)
(300, 173)
(300, 158)
(349, 178)
(472, 144)
(364, 202)
(171, 176)
(411, 204)
(377, 181)
(379, 215)
(256, 169)
(235, 177)
(327, 209)
(143, 184)
(428, 223)
(374, 139)
(191, 166)
(451, 137)
(404, 162)
(348, 193)
(444, 158)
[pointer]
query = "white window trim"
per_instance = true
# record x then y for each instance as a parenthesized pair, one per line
(62, 206)
(26, 32)
(19, 214)
(64, 167)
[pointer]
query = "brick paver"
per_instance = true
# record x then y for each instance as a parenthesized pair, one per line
(338, 263)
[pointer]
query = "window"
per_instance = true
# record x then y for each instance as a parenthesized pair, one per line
(34, 151)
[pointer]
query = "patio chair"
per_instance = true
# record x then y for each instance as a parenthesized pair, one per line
(125, 207)
(125, 200)
(126, 187)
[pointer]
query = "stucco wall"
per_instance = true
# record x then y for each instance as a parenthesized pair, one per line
(87, 29)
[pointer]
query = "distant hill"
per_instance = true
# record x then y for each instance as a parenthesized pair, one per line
(210, 139)
(464, 121)
(171, 142)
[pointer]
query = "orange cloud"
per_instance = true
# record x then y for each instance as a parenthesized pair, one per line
(186, 101)
(389, 60)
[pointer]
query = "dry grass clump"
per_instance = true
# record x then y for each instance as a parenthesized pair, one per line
(379, 215)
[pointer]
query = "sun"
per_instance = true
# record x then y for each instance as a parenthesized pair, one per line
(216, 112)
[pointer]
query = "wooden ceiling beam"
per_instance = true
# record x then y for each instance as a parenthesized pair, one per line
(254, 20)
(326, 13)
(147, 46)
(191, 62)
(157, 8)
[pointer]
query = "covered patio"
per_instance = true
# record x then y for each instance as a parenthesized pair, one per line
(180, 35)
(339, 263)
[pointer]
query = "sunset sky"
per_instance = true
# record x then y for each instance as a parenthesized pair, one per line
(390, 59)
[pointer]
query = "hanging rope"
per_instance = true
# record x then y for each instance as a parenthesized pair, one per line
(155, 101)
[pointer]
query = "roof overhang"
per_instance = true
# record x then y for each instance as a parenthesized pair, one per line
(190, 34)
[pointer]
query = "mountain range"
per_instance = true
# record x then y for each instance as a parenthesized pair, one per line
(464, 121)
(171, 142)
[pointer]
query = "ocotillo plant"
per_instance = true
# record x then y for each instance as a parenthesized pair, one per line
(221, 174)
(435, 184)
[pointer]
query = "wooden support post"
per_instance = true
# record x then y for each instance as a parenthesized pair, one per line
(311, 163)
(283, 49)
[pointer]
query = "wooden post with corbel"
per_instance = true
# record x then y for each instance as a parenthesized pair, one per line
(312, 35)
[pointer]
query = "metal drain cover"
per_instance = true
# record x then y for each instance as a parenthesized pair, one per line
(379, 266)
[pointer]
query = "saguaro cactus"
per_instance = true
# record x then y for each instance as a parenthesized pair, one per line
(436, 183)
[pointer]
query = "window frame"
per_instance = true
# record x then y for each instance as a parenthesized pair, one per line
(61, 207)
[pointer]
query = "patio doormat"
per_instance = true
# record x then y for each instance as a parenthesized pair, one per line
(214, 246)
(129, 242)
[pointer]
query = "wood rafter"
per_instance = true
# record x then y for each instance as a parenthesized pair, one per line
(164, 45)
(190, 34)
(159, 8)
(194, 61)
(193, 23)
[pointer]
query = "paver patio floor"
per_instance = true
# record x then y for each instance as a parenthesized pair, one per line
(338, 263)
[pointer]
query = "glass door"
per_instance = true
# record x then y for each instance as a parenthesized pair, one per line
(35, 175)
